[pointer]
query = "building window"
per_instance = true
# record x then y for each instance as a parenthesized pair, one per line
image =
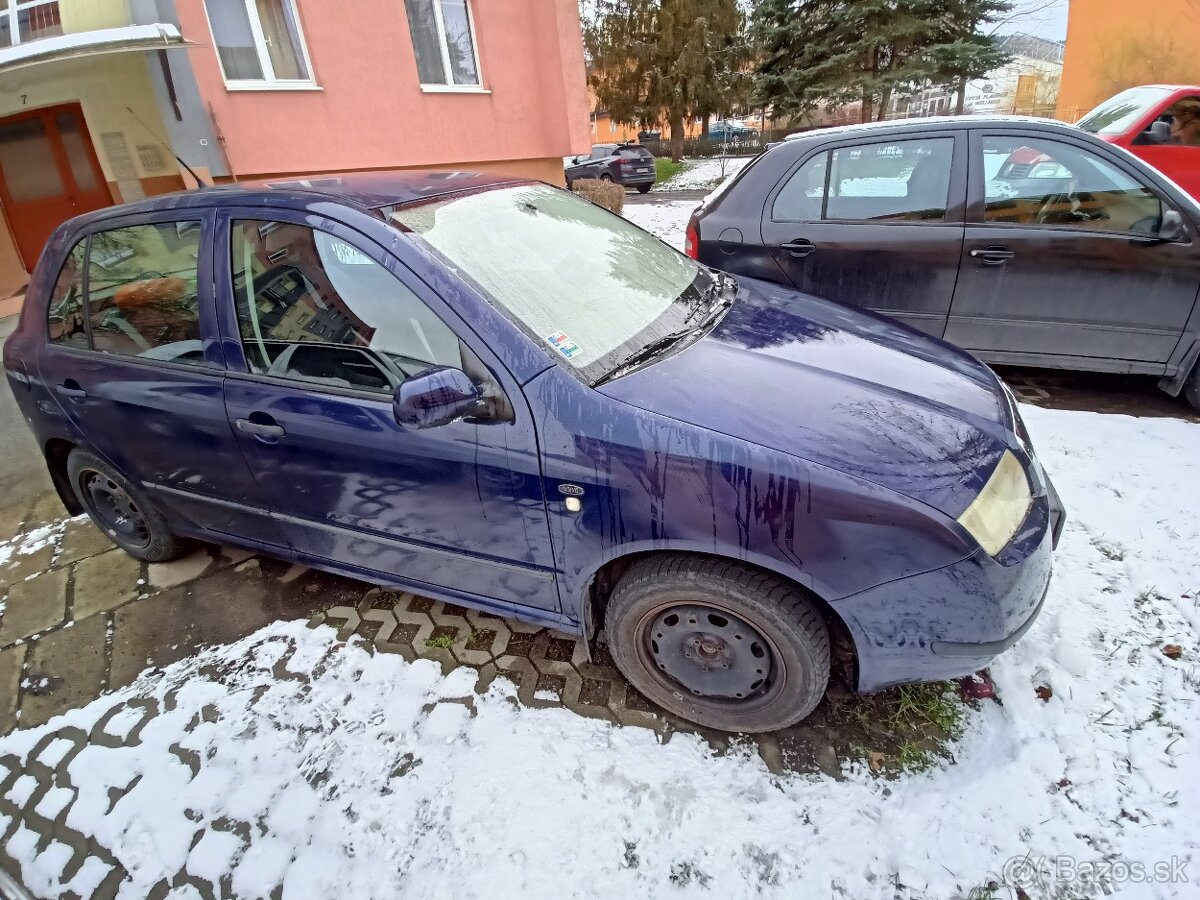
(29, 20)
(259, 42)
(443, 35)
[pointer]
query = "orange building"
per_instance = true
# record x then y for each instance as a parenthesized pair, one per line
(606, 131)
(1113, 45)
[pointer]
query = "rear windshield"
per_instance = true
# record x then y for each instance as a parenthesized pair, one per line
(632, 152)
(1117, 114)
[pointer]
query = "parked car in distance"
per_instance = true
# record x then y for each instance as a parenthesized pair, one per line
(731, 129)
(646, 136)
(494, 393)
(628, 165)
(1025, 241)
(1159, 123)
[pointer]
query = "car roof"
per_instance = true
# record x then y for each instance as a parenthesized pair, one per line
(928, 123)
(367, 190)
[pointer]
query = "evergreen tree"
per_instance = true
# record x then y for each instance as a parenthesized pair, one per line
(681, 59)
(843, 51)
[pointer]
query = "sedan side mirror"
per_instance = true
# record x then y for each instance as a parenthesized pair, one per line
(1159, 132)
(437, 396)
(1172, 227)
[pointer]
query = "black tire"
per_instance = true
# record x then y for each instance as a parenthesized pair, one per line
(782, 621)
(606, 177)
(644, 188)
(570, 186)
(1191, 387)
(121, 510)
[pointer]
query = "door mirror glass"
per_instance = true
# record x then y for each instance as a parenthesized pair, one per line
(1172, 227)
(437, 396)
(1159, 132)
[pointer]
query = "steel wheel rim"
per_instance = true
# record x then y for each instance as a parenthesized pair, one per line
(693, 649)
(116, 511)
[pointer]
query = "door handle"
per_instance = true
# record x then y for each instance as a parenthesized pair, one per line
(70, 388)
(993, 256)
(261, 430)
(799, 248)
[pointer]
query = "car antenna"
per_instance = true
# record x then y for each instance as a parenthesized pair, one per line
(199, 181)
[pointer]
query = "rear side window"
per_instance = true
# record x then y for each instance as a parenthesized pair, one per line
(64, 315)
(633, 153)
(142, 292)
(139, 297)
(894, 181)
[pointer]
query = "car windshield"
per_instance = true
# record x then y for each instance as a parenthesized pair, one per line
(1117, 114)
(590, 286)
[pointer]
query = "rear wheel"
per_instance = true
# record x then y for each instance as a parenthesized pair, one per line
(120, 510)
(644, 188)
(606, 177)
(717, 643)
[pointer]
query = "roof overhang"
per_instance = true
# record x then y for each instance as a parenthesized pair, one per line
(83, 44)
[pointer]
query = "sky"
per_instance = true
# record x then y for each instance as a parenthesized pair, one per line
(1041, 18)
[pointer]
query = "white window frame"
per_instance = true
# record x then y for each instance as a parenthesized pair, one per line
(16, 6)
(268, 82)
(444, 46)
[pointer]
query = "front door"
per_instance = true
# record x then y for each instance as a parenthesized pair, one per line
(133, 362)
(1061, 264)
(329, 325)
(875, 224)
(48, 173)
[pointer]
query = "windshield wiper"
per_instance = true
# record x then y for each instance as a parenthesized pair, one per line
(655, 348)
(718, 294)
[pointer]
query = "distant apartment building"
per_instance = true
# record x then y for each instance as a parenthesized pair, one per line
(99, 97)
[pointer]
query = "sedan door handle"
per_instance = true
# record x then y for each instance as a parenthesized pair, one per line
(70, 388)
(799, 248)
(260, 429)
(993, 256)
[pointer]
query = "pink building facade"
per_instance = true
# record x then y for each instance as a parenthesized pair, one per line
(251, 89)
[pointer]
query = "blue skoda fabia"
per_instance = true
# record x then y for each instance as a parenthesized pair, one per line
(492, 392)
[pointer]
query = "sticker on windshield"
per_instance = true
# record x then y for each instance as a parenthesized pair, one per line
(563, 344)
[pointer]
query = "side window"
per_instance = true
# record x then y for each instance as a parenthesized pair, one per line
(64, 316)
(141, 292)
(313, 308)
(897, 181)
(803, 196)
(1184, 118)
(1034, 181)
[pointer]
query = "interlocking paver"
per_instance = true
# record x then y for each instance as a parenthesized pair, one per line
(80, 540)
(33, 606)
(11, 661)
(180, 571)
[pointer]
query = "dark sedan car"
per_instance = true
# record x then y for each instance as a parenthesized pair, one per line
(497, 394)
(628, 165)
(1025, 241)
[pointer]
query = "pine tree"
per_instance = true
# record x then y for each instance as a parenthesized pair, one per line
(681, 59)
(844, 51)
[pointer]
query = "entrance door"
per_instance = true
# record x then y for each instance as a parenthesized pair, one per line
(48, 173)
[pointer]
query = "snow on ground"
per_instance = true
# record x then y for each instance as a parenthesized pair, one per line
(667, 220)
(703, 173)
(290, 759)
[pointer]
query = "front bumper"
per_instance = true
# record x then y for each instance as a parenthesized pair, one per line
(955, 620)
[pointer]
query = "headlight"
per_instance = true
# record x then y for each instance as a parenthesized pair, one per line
(995, 515)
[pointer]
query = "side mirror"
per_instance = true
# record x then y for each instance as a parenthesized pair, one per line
(1172, 227)
(437, 396)
(1159, 132)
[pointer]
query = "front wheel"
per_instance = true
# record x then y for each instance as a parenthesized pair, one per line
(718, 644)
(120, 510)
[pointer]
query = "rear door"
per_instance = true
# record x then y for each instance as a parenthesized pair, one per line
(1061, 265)
(875, 223)
(133, 359)
(328, 324)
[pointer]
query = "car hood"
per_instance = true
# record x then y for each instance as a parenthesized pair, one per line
(840, 387)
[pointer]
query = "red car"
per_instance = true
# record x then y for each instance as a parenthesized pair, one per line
(1159, 123)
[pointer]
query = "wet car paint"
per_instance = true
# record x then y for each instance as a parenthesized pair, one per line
(838, 459)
